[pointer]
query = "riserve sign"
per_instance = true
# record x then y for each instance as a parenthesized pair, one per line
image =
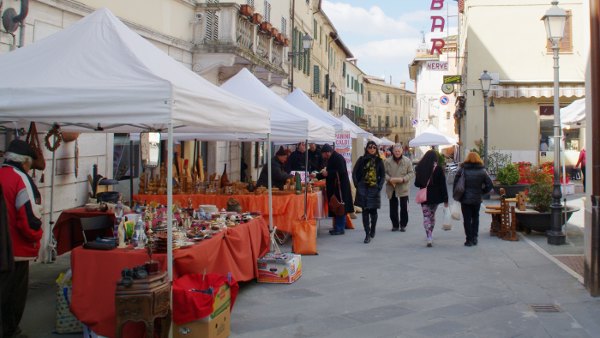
(437, 65)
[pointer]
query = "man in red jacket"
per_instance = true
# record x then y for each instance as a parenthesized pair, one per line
(23, 204)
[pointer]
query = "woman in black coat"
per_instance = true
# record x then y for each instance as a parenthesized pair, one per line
(429, 174)
(368, 177)
(477, 183)
(336, 167)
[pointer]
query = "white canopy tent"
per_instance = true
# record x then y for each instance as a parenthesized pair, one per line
(356, 130)
(298, 99)
(287, 122)
(573, 115)
(431, 137)
(99, 75)
(386, 142)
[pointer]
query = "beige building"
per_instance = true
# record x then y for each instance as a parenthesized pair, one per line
(388, 110)
(353, 96)
(520, 121)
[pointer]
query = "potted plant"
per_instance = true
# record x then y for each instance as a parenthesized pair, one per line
(538, 216)
(508, 177)
(246, 10)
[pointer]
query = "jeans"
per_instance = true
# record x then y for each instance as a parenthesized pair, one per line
(340, 223)
(394, 211)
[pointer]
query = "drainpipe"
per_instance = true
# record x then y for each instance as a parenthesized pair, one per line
(291, 62)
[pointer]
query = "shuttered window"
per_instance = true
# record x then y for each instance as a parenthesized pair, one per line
(316, 80)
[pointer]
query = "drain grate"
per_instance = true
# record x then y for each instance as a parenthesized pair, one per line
(544, 307)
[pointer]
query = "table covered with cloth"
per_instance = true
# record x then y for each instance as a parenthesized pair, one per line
(96, 272)
(288, 209)
(67, 229)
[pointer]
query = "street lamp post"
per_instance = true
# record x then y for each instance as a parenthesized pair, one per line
(554, 20)
(332, 91)
(486, 82)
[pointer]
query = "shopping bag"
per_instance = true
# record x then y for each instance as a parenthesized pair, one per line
(455, 211)
(447, 223)
(304, 237)
(65, 320)
(421, 196)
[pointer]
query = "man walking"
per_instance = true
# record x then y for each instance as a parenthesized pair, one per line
(398, 173)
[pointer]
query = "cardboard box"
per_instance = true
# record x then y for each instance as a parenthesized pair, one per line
(215, 325)
(279, 268)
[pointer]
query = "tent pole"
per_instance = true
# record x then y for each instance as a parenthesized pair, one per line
(270, 182)
(131, 167)
(169, 162)
(305, 176)
(51, 253)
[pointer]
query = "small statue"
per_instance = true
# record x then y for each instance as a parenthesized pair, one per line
(121, 234)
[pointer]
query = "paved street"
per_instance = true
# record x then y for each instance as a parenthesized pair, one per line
(396, 287)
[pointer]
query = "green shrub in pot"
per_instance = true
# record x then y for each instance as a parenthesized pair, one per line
(540, 190)
(508, 175)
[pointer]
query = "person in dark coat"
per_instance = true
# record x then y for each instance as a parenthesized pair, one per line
(429, 174)
(336, 167)
(278, 173)
(368, 177)
(297, 159)
(477, 183)
(315, 161)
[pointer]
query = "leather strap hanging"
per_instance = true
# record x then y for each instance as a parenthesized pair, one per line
(32, 138)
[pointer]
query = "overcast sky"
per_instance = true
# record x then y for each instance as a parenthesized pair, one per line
(385, 34)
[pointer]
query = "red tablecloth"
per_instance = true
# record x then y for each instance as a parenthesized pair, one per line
(287, 209)
(95, 273)
(67, 229)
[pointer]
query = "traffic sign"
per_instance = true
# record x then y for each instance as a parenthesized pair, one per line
(444, 100)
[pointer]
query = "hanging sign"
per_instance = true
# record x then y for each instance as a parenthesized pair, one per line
(452, 79)
(437, 65)
(444, 100)
(437, 22)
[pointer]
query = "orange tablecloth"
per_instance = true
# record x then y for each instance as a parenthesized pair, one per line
(95, 273)
(67, 229)
(288, 210)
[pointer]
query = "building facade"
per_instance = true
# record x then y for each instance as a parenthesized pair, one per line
(523, 72)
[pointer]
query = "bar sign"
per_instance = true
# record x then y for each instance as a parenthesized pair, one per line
(452, 79)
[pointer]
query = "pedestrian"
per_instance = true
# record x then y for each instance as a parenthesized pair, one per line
(581, 162)
(297, 159)
(23, 204)
(278, 173)
(428, 174)
(315, 161)
(368, 177)
(398, 173)
(477, 183)
(336, 171)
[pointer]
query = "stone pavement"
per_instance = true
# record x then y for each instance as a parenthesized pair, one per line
(397, 287)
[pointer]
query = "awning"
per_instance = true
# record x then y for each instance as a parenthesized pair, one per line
(516, 91)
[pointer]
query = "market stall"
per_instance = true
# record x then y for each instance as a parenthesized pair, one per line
(96, 273)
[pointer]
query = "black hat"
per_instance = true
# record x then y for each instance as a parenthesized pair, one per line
(326, 148)
(281, 152)
(21, 148)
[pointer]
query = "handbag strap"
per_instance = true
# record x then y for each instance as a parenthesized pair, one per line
(430, 176)
(339, 185)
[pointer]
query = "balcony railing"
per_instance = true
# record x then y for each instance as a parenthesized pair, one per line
(223, 29)
(379, 131)
(359, 121)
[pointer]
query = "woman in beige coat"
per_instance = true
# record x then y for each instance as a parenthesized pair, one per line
(398, 173)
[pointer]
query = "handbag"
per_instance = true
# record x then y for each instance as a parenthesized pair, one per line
(459, 187)
(32, 138)
(421, 196)
(336, 206)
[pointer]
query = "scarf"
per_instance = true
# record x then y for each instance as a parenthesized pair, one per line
(370, 172)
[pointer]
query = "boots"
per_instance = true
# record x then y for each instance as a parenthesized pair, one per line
(372, 234)
(373, 222)
(367, 231)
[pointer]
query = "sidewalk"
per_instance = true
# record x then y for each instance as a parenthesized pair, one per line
(396, 287)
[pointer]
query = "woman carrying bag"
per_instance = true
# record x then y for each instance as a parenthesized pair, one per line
(368, 177)
(477, 182)
(429, 176)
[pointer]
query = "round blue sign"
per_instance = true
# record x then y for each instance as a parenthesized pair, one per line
(444, 100)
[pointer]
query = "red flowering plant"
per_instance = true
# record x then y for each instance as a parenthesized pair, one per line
(548, 167)
(524, 172)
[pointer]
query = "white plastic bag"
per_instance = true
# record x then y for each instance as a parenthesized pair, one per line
(455, 211)
(447, 224)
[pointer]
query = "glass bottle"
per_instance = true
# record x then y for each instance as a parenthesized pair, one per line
(224, 178)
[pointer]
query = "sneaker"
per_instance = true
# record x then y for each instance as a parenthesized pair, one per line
(429, 243)
(395, 229)
(467, 243)
(402, 229)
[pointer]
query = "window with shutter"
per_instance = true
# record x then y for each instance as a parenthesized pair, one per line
(212, 26)
(344, 70)
(566, 44)
(326, 88)
(283, 26)
(250, 2)
(267, 11)
(316, 80)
